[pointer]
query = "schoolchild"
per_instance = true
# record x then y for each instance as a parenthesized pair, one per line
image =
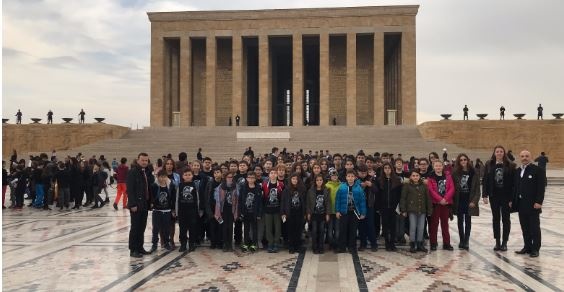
(200, 181)
(466, 197)
(366, 228)
(240, 180)
(175, 179)
(390, 194)
(189, 206)
(333, 225)
(250, 208)
(317, 206)
(415, 204)
(272, 194)
(163, 193)
(293, 210)
(214, 226)
(350, 207)
(97, 184)
(226, 209)
(441, 191)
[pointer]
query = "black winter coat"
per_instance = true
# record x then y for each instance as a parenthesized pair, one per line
(136, 188)
(529, 189)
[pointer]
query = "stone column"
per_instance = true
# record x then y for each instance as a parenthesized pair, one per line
(237, 103)
(408, 105)
(298, 81)
(210, 79)
(351, 79)
(185, 83)
(379, 79)
(324, 79)
(157, 81)
(265, 108)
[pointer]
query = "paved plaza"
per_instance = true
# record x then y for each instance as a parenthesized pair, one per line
(86, 250)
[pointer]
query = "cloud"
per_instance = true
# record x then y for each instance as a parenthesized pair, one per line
(65, 62)
(12, 53)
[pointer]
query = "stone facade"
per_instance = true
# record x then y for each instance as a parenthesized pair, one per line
(201, 66)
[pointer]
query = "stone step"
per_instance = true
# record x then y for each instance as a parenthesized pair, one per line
(221, 143)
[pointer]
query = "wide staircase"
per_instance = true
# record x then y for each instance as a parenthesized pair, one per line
(221, 143)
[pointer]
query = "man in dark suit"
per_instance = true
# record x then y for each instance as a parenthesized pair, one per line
(527, 200)
(139, 179)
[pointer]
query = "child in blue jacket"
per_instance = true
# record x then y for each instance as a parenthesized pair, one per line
(350, 206)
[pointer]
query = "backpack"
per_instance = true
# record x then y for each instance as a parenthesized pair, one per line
(103, 178)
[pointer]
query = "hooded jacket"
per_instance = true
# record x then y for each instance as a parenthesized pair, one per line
(358, 196)
(332, 187)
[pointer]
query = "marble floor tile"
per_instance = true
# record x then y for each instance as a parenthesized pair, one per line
(86, 250)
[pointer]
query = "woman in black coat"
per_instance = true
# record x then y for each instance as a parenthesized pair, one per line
(497, 189)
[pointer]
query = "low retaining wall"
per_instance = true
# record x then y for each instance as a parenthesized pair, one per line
(44, 138)
(516, 135)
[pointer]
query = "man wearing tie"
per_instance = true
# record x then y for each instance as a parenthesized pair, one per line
(527, 200)
(139, 179)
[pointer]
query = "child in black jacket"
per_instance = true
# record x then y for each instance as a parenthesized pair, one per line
(293, 209)
(318, 204)
(189, 207)
(163, 195)
(250, 208)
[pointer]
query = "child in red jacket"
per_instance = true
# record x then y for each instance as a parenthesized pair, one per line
(441, 191)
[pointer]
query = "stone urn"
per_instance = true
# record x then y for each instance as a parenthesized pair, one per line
(67, 120)
(482, 116)
(446, 116)
(558, 116)
(519, 116)
(35, 120)
(99, 120)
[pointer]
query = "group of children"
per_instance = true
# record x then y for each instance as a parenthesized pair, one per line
(340, 205)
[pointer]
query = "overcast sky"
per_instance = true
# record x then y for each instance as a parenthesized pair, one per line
(67, 55)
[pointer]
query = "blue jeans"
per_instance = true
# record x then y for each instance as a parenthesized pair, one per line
(39, 195)
(333, 231)
(416, 225)
(366, 229)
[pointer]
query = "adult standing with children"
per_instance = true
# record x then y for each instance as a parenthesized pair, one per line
(139, 179)
(528, 199)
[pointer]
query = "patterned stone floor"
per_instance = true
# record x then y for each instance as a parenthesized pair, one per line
(86, 250)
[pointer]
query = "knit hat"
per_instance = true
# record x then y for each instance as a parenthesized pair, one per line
(332, 171)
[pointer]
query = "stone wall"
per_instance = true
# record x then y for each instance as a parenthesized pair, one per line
(44, 138)
(536, 136)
